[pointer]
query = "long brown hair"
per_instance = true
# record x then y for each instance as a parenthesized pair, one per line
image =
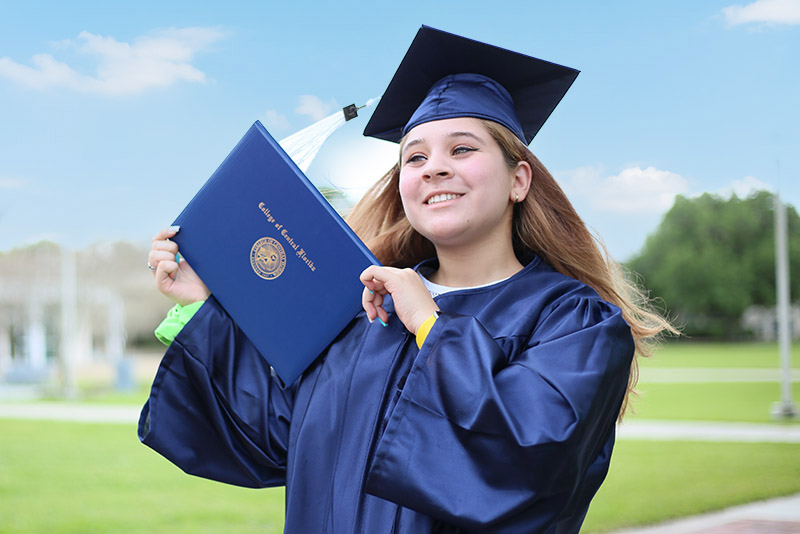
(544, 223)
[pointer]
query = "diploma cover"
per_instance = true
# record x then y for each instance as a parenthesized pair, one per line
(274, 253)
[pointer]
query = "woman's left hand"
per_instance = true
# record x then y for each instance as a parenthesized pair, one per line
(412, 302)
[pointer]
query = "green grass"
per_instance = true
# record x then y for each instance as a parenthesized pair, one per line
(714, 401)
(78, 478)
(652, 481)
(738, 355)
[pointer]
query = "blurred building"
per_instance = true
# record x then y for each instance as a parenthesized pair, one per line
(763, 322)
(62, 310)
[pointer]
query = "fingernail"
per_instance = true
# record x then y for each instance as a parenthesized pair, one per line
(370, 320)
(382, 323)
(371, 292)
(174, 228)
(178, 257)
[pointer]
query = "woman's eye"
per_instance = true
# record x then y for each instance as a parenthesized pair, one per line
(415, 158)
(463, 149)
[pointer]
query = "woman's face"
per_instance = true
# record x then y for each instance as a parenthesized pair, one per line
(455, 185)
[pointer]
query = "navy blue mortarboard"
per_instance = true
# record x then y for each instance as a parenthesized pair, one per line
(445, 76)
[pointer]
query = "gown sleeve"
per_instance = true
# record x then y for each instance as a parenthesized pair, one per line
(206, 412)
(495, 442)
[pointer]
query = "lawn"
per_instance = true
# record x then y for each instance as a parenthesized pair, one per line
(76, 478)
(81, 478)
(735, 355)
(715, 401)
(711, 401)
(652, 481)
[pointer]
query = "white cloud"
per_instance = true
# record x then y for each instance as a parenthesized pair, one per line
(633, 191)
(159, 59)
(764, 12)
(11, 183)
(744, 187)
(275, 121)
(314, 108)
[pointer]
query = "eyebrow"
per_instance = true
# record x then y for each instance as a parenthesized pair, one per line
(451, 135)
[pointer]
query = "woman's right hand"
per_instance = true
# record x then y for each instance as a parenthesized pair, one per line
(176, 279)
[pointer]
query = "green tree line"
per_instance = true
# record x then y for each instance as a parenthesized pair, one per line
(711, 258)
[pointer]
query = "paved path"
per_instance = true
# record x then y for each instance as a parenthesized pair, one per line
(775, 516)
(647, 429)
(641, 429)
(74, 412)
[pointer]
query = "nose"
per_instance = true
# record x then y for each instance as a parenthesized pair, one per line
(436, 167)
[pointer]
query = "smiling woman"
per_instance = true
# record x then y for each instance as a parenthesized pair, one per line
(486, 400)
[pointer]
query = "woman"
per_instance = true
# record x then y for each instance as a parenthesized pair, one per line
(485, 397)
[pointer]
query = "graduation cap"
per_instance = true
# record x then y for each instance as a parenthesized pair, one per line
(445, 76)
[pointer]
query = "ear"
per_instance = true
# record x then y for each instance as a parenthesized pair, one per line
(521, 177)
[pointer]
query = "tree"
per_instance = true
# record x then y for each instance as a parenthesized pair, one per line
(711, 258)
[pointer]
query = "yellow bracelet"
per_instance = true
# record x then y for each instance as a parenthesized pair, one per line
(425, 328)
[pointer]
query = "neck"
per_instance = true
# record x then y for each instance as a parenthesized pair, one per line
(476, 264)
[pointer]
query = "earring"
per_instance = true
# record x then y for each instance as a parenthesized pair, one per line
(516, 200)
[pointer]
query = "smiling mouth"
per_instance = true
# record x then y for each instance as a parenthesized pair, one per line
(435, 199)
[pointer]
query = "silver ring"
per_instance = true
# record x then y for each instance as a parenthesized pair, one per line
(150, 266)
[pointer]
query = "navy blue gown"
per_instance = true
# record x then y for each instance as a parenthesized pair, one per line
(502, 422)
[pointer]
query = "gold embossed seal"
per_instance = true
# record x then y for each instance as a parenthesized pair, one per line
(268, 258)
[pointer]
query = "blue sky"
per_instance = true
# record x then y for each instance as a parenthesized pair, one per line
(112, 114)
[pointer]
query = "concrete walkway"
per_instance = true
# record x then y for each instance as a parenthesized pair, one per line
(774, 516)
(72, 412)
(640, 429)
(646, 429)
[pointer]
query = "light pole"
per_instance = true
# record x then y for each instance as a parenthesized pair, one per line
(785, 409)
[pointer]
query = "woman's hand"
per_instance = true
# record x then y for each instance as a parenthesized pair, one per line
(412, 302)
(175, 279)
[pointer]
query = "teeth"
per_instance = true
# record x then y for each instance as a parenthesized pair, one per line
(441, 198)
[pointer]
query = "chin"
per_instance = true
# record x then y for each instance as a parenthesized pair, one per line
(445, 239)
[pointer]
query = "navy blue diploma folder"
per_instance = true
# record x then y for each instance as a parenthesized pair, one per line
(274, 253)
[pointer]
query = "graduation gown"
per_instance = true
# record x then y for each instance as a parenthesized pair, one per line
(502, 422)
